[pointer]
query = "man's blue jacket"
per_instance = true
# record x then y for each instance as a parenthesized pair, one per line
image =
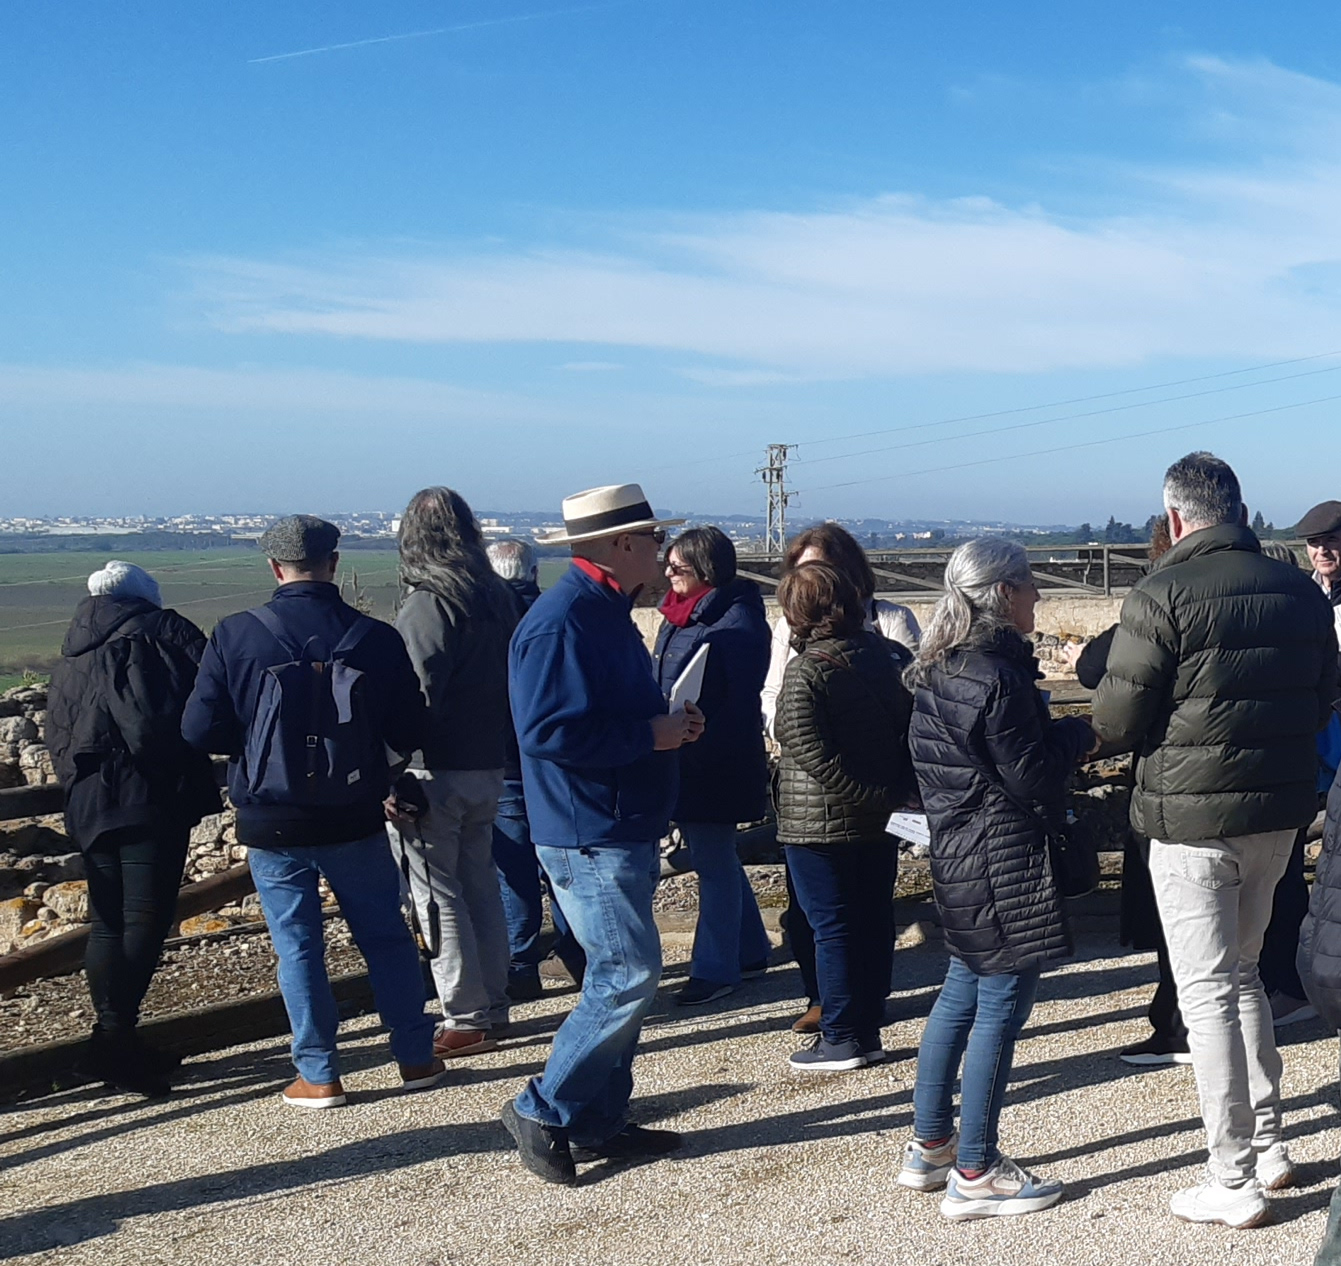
(583, 697)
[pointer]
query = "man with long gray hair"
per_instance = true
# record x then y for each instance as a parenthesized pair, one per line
(1222, 671)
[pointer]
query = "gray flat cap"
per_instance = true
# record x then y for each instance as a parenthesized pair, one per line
(1320, 520)
(300, 538)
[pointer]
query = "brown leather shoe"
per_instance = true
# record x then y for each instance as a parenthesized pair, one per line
(808, 1023)
(458, 1043)
(304, 1094)
(421, 1076)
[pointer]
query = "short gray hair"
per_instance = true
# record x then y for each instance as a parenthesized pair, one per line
(512, 558)
(1204, 490)
(974, 605)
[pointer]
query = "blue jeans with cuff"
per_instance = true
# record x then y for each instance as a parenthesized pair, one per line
(976, 1019)
(606, 892)
(366, 883)
(729, 934)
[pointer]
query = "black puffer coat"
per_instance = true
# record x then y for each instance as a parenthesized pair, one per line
(981, 727)
(842, 724)
(114, 715)
(1319, 958)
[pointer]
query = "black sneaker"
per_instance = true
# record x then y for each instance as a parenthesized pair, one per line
(695, 992)
(632, 1142)
(1156, 1052)
(822, 1056)
(544, 1151)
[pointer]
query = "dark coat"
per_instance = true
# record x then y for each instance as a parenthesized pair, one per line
(228, 689)
(459, 648)
(842, 725)
(114, 714)
(524, 594)
(724, 775)
(1221, 673)
(1319, 958)
(981, 727)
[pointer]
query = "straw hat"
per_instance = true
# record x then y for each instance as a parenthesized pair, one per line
(605, 511)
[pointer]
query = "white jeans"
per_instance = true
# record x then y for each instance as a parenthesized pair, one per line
(1214, 899)
(452, 875)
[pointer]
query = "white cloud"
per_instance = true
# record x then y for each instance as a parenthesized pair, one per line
(1222, 260)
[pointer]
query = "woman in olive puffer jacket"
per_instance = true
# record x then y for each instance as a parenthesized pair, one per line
(842, 724)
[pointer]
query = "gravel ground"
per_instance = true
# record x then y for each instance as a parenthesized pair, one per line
(775, 1169)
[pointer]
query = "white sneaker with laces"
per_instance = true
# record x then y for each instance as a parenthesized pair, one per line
(927, 1168)
(1004, 1190)
(1274, 1169)
(1239, 1207)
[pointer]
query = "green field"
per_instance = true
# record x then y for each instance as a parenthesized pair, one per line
(39, 592)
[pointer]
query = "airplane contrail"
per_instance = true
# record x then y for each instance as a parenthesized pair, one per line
(441, 30)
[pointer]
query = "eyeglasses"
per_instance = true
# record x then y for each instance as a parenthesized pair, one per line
(678, 569)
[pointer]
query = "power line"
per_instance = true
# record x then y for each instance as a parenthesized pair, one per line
(1066, 448)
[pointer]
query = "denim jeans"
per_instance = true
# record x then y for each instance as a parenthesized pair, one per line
(367, 886)
(447, 859)
(522, 885)
(800, 937)
(1215, 900)
(847, 893)
(976, 1019)
(729, 934)
(606, 892)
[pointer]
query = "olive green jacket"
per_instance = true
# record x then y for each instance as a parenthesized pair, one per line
(1222, 671)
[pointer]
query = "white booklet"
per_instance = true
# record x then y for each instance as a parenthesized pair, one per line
(912, 827)
(689, 684)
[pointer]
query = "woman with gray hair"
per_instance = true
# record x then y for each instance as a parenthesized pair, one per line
(992, 766)
(456, 619)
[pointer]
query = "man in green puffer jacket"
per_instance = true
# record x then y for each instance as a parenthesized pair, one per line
(1222, 671)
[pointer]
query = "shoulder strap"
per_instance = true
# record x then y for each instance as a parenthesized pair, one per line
(275, 627)
(354, 634)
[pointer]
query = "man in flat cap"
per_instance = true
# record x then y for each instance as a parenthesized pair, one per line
(1320, 529)
(304, 695)
(598, 757)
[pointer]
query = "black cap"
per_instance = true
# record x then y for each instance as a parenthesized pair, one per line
(1320, 520)
(300, 538)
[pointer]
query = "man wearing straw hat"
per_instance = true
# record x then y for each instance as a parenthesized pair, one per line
(600, 771)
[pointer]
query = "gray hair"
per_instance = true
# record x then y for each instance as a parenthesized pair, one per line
(124, 580)
(512, 558)
(1204, 490)
(975, 604)
(1281, 552)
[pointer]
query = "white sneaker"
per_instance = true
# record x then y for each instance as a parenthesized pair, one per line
(1274, 1170)
(1240, 1207)
(926, 1168)
(1004, 1190)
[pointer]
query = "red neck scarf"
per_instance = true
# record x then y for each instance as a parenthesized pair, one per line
(598, 574)
(677, 608)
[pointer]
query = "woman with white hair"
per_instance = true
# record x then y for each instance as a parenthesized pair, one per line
(133, 791)
(992, 767)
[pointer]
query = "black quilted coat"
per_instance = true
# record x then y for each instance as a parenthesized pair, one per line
(842, 725)
(1320, 935)
(979, 726)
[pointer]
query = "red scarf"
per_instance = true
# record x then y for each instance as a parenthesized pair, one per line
(598, 574)
(677, 608)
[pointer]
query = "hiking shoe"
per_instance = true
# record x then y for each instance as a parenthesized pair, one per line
(809, 1022)
(458, 1043)
(823, 1056)
(1005, 1190)
(1274, 1169)
(421, 1076)
(695, 992)
(1289, 1010)
(302, 1093)
(543, 1150)
(1156, 1052)
(928, 1168)
(1239, 1207)
(630, 1143)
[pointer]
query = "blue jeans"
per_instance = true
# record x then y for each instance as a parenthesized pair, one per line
(606, 892)
(976, 1019)
(730, 933)
(522, 885)
(847, 893)
(366, 883)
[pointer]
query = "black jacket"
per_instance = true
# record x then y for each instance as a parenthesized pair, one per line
(1221, 673)
(524, 594)
(114, 712)
(724, 775)
(1319, 957)
(842, 725)
(459, 648)
(224, 702)
(981, 730)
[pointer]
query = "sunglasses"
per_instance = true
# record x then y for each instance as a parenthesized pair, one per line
(657, 534)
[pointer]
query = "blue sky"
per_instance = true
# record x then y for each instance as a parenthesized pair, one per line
(561, 245)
